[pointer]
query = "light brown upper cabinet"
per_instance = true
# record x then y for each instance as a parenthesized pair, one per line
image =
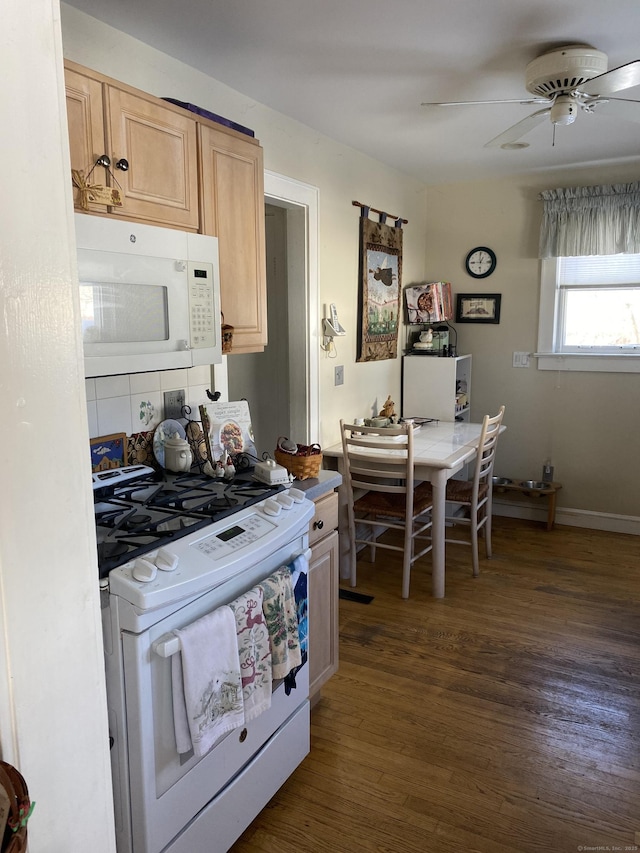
(232, 192)
(180, 172)
(152, 149)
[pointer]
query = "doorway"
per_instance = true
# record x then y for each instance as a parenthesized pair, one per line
(281, 383)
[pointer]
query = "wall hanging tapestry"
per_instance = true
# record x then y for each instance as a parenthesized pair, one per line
(380, 286)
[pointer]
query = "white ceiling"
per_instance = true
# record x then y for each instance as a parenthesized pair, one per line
(359, 71)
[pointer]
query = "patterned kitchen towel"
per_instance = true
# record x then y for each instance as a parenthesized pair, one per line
(279, 607)
(211, 680)
(299, 569)
(254, 651)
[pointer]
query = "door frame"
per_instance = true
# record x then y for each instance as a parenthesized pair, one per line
(294, 195)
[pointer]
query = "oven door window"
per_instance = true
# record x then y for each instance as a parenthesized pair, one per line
(114, 313)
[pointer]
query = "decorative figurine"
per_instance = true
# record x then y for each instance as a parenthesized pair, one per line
(229, 468)
(389, 408)
(426, 338)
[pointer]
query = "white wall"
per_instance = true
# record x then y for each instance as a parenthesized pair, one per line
(52, 696)
(341, 174)
(584, 422)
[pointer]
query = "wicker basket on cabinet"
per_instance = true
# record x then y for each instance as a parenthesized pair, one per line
(303, 464)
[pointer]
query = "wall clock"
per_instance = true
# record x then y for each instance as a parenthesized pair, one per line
(480, 262)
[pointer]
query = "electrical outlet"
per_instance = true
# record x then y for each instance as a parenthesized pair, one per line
(173, 403)
(521, 359)
(339, 375)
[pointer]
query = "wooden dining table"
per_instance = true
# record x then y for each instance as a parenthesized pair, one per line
(440, 450)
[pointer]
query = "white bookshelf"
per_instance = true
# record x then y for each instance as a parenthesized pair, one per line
(430, 385)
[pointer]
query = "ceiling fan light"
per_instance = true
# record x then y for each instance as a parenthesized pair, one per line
(564, 111)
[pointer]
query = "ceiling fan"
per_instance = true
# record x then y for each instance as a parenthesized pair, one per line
(567, 80)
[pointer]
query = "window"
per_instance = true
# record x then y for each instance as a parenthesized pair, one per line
(590, 314)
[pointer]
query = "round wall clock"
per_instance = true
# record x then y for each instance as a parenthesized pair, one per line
(480, 262)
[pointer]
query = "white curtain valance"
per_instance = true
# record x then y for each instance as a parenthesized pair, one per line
(601, 220)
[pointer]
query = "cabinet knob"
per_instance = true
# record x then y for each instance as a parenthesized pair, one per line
(318, 525)
(122, 164)
(104, 161)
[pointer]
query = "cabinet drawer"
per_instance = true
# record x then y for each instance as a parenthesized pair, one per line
(326, 518)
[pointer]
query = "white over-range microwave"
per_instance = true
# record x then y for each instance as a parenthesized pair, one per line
(149, 297)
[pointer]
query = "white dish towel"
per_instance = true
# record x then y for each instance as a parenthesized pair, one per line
(207, 685)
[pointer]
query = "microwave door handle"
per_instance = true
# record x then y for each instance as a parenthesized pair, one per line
(183, 346)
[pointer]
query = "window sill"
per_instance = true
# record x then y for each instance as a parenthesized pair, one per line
(588, 363)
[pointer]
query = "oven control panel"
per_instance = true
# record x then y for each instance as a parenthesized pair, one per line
(239, 535)
(212, 555)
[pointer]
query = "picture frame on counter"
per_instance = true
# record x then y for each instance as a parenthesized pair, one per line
(108, 451)
(478, 307)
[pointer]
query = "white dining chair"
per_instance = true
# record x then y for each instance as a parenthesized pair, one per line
(378, 476)
(474, 498)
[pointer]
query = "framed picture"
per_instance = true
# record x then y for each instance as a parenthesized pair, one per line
(108, 451)
(478, 308)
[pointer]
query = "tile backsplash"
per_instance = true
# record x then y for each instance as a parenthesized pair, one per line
(134, 402)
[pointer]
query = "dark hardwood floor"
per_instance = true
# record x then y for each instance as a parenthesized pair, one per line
(504, 718)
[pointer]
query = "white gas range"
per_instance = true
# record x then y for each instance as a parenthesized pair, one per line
(166, 802)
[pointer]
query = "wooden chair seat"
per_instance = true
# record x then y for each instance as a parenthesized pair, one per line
(462, 491)
(394, 506)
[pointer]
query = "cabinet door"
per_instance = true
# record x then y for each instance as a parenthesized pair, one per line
(323, 583)
(233, 211)
(160, 146)
(86, 129)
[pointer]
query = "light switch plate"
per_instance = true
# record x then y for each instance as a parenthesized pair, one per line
(521, 359)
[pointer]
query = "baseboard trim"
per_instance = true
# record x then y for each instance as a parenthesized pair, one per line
(571, 517)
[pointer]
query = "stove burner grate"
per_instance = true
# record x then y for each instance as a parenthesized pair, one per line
(140, 516)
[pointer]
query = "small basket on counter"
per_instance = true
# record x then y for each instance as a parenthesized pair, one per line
(301, 460)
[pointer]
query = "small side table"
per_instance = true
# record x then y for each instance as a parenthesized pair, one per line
(548, 490)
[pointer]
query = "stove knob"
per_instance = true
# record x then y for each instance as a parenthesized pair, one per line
(272, 507)
(166, 561)
(144, 571)
(285, 500)
(297, 495)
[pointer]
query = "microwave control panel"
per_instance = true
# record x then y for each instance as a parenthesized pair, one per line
(202, 322)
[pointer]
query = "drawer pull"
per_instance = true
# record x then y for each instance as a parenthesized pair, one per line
(318, 525)
(243, 735)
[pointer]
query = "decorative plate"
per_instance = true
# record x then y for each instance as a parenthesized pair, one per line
(166, 429)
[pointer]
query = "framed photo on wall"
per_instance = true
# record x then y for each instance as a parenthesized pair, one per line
(478, 307)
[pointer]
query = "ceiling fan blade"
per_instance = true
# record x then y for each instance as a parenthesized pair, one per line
(474, 103)
(618, 108)
(616, 80)
(520, 129)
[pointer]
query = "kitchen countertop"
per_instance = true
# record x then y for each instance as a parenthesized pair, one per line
(316, 487)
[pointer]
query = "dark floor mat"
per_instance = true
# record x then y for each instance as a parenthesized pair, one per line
(349, 595)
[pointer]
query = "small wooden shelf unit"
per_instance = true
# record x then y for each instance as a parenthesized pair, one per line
(549, 491)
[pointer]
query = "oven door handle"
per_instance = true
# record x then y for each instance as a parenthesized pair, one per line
(306, 554)
(168, 644)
